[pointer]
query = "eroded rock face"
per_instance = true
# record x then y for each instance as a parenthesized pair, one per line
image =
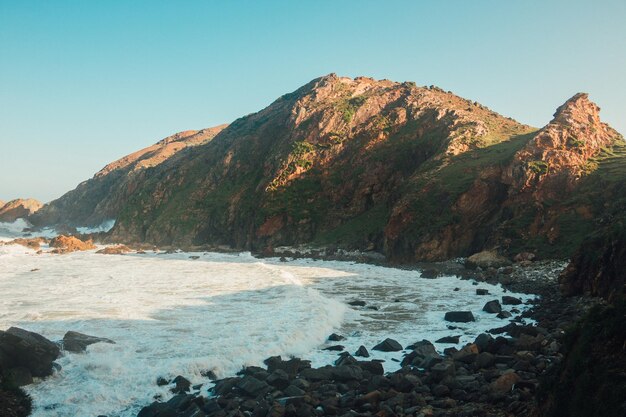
(18, 209)
(598, 268)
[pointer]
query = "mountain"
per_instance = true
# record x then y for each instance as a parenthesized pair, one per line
(19, 208)
(102, 197)
(417, 173)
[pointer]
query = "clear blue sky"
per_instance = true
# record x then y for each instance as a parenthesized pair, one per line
(85, 82)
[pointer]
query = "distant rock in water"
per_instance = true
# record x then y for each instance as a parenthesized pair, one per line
(18, 209)
(66, 244)
(78, 342)
(415, 173)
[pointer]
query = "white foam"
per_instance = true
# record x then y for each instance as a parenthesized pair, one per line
(105, 226)
(173, 315)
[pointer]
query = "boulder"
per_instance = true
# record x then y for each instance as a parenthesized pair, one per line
(362, 352)
(21, 348)
(493, 307)
(505, 383)
(508, 300)
(448, 339)
(336, 338)
(482, 291)
(357, 303)
(78, 342)
(486, 259)
(252, 387)
(459, 316)
(388, 345)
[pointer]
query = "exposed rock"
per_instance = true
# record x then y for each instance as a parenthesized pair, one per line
(362, 352)
(31, 243)
(335, 337)
(597, 268)
(459, 316)
(482, 291)
(21, 348)
(505, 382)
(508, 300)
(493, 307)
(78, 342)
(116, 250)
(388, 345)
(448, 339)
(486, 259)
(18, 209)
(66, 244)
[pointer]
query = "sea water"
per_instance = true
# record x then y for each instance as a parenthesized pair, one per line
(173, 314)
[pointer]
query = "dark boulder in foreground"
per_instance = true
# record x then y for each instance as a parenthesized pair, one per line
(459, 316)
(388, 345)
(512, 301)
(493, 307)
(28, 350)
(78, 342)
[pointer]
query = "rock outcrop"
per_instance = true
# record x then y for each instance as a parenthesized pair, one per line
(598, 268)
(28, 351)
(18, 209)
(66, 244)
(77, 342)
(416, 173)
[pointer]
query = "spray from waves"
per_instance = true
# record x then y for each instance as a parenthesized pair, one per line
(218, 313)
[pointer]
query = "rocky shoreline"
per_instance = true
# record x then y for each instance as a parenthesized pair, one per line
(497, 375)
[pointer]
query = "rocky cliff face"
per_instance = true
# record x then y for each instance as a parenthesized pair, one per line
(102, 197)
(19, 208)
(414, 172)
(598, 268)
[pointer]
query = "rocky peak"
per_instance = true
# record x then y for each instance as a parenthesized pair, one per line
(560, 153)
(19, 208)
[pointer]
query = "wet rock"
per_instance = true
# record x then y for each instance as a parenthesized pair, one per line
(337, 348)
(292, 366)
(345, 359)
(19, 376)
(182, 385)
(362, 352)
(347, 373)
(508, 300)
(357, 303)
(442, 370)
(373, 367)
(484, 341)
(162, 381)
(459, 316)
(157, 409)
(388, 345)
(448, 339)
(482, 291)
(335, 337)
(430, 273)
(504, 314)
(78, 342)
(493, 307)
(21, 348)
(467, 354)
(252, 386)
(278, 379)
(484, 360)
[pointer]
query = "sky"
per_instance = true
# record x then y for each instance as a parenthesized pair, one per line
(83, 83)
